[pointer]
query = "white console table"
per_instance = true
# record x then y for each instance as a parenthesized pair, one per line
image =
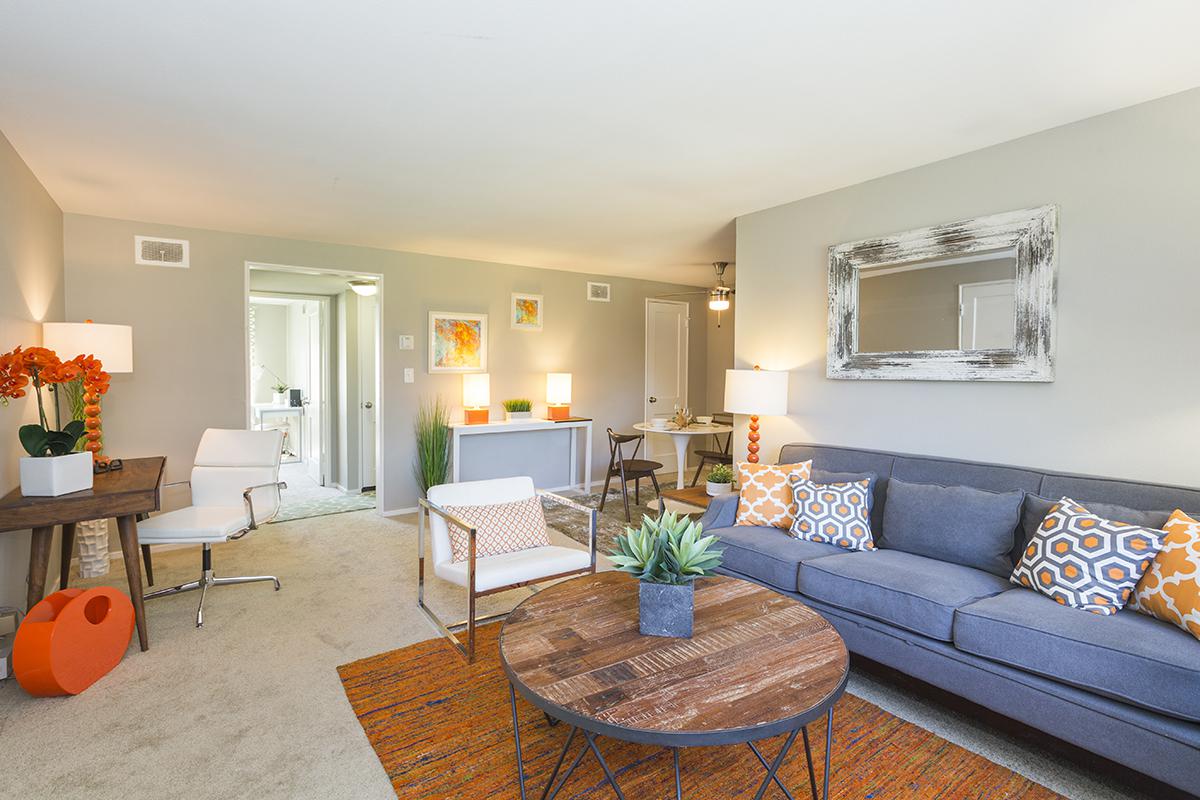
(460, 429)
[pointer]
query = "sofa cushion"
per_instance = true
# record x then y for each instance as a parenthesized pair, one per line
(959, 524)
(767, 554)
(1127, 656)
(912, 592)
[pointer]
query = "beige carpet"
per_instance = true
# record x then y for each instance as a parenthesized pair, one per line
(251, 706)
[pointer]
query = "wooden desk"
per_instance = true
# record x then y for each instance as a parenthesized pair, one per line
(122, 494)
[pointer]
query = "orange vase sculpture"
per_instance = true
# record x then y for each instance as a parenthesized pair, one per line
(72, 639)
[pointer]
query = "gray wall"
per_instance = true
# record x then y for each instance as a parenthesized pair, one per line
(31, 292)
(189, 336)
(1124, 401)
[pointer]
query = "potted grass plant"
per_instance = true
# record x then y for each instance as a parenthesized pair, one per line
(666, 555)
(432, 431)
(517, 409)
(720, 480)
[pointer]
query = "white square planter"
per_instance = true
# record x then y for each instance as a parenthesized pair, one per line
(50, 477)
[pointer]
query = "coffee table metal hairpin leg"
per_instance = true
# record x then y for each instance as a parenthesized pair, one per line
(550, 790)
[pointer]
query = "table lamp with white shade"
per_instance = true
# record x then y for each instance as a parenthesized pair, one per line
(112, 344)
(477, 396)
(757, 392)
(558, 395)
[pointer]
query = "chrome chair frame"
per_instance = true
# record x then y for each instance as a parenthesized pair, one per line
(448, 630)
(207, 577)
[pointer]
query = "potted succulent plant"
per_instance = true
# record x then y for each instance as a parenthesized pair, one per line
(666, 555)
(517, 409)
(720, 480)
(279, 393)
(52, 466)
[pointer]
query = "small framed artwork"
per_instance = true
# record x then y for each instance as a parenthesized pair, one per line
(525, 313)
(599, 292)
(457, 342)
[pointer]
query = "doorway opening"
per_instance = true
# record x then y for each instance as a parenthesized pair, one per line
(313, 372)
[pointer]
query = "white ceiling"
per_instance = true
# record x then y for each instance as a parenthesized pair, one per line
(595, 135)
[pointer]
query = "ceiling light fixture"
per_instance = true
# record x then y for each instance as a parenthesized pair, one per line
(364, 288)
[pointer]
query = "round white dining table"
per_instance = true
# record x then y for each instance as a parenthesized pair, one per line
(680, 437)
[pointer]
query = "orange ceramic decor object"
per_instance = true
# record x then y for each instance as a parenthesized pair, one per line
(72, 639)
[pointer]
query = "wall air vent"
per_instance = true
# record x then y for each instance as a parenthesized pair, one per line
(156, 252)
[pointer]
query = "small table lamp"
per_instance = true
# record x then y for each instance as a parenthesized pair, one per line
(476, 397)
(754, 392)
(112, 344)
(558, 395)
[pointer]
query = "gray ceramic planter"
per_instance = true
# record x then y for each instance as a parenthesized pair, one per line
(665, 609)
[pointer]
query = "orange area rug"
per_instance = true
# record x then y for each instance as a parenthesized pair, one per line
(443, 729)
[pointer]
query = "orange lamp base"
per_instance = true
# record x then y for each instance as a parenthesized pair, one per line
(72, 639)
(752, 448)
(476, 416)
(558, 412)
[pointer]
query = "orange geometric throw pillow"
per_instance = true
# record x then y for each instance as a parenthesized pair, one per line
(1170, 589)
(764, 495)
(499, 528)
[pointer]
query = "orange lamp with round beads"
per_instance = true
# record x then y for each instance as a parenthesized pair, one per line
(757, 392)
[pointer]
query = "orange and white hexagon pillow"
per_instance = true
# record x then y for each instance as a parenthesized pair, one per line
(764, 494)
(1170, 589)
(1084, 561)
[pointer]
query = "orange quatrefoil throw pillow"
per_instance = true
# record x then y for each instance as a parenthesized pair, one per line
(764, 495)
(1170, 589)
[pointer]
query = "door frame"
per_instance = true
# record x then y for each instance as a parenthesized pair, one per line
(381, 496)
(326, 379)
(687, 352)
(374, 398)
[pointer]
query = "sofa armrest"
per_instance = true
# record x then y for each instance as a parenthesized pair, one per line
(721, 512)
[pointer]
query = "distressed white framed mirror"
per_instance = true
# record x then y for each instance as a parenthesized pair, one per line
(972, 300)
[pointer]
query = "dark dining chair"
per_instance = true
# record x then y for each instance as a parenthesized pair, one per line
(719, 456)
(628, 468)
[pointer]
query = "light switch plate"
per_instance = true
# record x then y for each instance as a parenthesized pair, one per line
(407, 343)
(409, 377)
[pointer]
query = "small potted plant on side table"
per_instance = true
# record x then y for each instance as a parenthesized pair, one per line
(720, 480)
(517, 409)
(279, 393)
(666, 555)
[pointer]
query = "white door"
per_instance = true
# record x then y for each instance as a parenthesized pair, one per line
(368, 309)
(666, 371)
(985, 315)
(314, 400)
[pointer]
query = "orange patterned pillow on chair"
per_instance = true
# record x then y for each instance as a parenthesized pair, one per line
(499, 528)
(764, 495)
(1170, 589)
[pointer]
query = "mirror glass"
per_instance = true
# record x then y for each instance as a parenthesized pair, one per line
(956, 303)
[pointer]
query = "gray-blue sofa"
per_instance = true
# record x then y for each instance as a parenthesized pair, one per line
(1126, 686)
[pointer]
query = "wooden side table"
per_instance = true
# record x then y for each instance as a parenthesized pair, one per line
(695, 496)
(123, 494)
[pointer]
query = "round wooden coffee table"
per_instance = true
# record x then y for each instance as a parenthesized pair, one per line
(759, 664)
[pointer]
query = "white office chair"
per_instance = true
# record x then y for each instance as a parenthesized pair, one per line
(235, 486)
(491, 574)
